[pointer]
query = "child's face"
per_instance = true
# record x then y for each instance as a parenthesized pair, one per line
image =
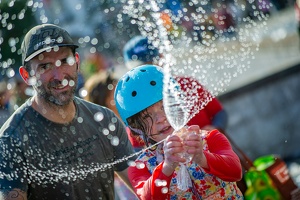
(161, 127)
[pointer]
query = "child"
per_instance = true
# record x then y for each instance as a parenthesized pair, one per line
(139, 50)
(214, 166)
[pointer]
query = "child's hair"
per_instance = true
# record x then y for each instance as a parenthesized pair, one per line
(140, 127)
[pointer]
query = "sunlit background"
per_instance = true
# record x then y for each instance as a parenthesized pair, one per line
(247, 56)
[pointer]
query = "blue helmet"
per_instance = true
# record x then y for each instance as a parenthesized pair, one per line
(138, 89)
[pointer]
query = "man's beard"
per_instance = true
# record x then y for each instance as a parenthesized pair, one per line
(61, 99)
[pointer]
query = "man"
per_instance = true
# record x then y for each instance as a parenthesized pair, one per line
(57, 146)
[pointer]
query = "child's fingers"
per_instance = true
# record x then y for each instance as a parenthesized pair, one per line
(194, 128)
(192, 137)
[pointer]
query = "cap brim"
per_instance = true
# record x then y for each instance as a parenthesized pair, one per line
(48, 48)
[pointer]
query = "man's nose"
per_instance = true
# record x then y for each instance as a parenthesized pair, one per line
(57, 73)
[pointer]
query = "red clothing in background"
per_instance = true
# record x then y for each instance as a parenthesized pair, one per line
(136, 142)
(213, 106)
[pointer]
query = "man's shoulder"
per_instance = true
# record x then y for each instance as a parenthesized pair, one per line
(83, 104)
(17, 121)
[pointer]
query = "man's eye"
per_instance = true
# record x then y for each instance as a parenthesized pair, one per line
(46, 66)
(70, 60)
(60, 63)
(63, 62)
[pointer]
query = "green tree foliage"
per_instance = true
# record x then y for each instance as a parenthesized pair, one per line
(16, 19)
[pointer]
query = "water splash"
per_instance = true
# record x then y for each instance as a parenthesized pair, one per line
(41, 174)
(191, 45)
(216, 52)
(209, 52)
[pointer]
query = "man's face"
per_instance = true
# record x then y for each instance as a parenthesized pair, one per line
(54, 75)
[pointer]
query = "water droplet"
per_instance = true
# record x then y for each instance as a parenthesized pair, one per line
(115, 141)
(80, 119)
(71, 83)
(165, 190)
(64, 82)
(140, 165)
(98, 116)
(105, 131)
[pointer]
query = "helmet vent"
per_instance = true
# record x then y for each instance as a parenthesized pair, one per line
(127, 79)
(153, 83)
(133, 93)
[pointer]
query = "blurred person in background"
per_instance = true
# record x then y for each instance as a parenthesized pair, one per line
(13, 93)
(222, 18)
(297, 15)
(93, 63)
(20, 93)
(100, 89)
(139, 50)
(5, 95)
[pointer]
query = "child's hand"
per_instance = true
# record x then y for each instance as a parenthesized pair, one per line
(172, 147)
(194, 145)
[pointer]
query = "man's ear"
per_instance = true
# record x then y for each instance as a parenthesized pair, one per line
(24, 74)
(77, 60)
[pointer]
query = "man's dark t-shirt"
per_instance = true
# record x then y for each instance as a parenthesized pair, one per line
(63, 161)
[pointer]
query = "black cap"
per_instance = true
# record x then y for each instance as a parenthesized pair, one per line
(43, 37)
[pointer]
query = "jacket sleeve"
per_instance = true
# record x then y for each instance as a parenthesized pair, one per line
(147, 186)
(223, 162)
